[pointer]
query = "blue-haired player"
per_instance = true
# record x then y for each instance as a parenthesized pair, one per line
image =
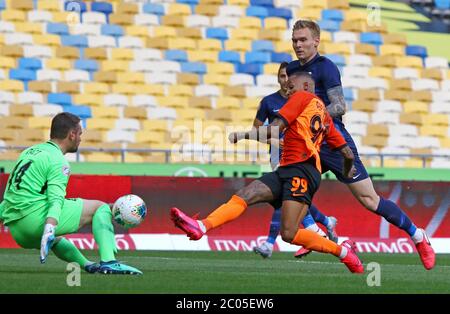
(305, 40)
(268, 110)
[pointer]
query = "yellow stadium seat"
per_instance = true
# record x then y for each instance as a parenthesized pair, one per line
(314, 14)
(422, 95)
(384, 61)
(337, 48)
(105, 77)
(178, 9)
(14, 122)
(271, 68)
(269, 34)
(413, 163)
(115, 66)
(29, 28)
(401, 96)
(150, 89)
(338, 4)
(100, 124)
(135, 113)
(12, 86)
(375, 141)
(68, 87)
(436, 119)
(234, 91)
(66, 52)
(39, 123)
(377, 130)
(105, 112)
(364, 105)
(368, 94)
(14, 51)
(63, 16)
(251, 103)
(131, 77)
(381, 28)
(127, 8)
(101, 157)
(217, 2)
(277, 23)
(244, 33)
(395, 39)
(181, 90)
(191, 114)
(222, 115)
(216, 79)
(121, 19)
(21, 110)
(173, 20)
(47, 40)
(88, 100)
(95, 53)
(157, 43)
(40, 87)
(150, 137)
(137, 31)
(7, 62)
(95, 88)
(7, 134)
(2, 40)
(365, 49)
(23, 5)
(283, 46)
(319, 4)
(134, 158)
(13, 15)
(435, 74)
(411, 118)
(445, 142)
(412, 106)
(244, 117)
(392, 163)
(31, 135)
(238, 45)
(354, 26)
(392, 50)
(164, 32)
(355, 16)
(242, 3)
(209, 44)
(250, 22)
(155, 125)
(190, 32)
(432, 130)
(182, 43)
(173, 101)
(200, 102)
(221, 68)
(228, 103)
(202, 56)
(188, 79)
(58, 64)
(404, 84)
(122, 54)
(208, 10)
(382, 72)
(49, 5)
(409, 62)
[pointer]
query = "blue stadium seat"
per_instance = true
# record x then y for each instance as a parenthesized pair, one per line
(176, 55)
(257, 11)
(30, 64)
(332, 14)
(217, 33)
(84, 112)
(103, 7)
(112, 30)
(263, 3)
(278, 57)
(153, 8)
(62, 99)
(329, 25)
(190, 2)
(262, 45)
(337, 59)
(280, 12)
(371, 38)
(416, 50)
(349, 95)
(250, 68)
(86, 65)
(2, 5)
(257, 57)
(230, 56)
(75, 6)
(442, 4)
(79, 41)
(22, 75)
(193, 67)
(57, 28)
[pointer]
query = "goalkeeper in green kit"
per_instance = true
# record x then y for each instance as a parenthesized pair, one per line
(35, 209)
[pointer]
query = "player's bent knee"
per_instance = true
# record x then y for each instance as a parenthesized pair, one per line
(287, 235)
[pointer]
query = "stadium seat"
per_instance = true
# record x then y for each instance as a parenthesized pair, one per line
(416, 50)
(436, 62)
(329, 25)
(32, 64)
(30, 98)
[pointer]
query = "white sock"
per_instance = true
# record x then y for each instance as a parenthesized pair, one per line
(344, 252)
(202, 226)
(418, 236)
(316, 229)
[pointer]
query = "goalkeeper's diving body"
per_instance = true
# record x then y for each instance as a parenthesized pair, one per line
(35, 209)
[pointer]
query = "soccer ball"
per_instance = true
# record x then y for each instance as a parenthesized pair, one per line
(129, 211)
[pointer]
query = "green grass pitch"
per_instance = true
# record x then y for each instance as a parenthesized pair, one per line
(224, 272)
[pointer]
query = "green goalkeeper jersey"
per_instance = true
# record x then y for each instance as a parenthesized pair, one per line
(37, 182)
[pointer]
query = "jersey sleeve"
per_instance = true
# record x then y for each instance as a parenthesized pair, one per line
(294, 107)
(57, 179)
(334, 138)
(332, 76)
(262, 114)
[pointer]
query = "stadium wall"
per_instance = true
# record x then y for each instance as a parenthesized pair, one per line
(427, 203)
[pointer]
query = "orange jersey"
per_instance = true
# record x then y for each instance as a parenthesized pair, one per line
(309, 124)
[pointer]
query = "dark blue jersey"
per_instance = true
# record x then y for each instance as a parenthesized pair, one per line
(325, 74)
(269, 107)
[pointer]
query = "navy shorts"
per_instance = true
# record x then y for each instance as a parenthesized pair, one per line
(334, 161)
(296, 182)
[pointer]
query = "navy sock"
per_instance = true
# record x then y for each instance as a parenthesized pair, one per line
(392, 213)
(308, 220)
(318, 216)
(275, 226)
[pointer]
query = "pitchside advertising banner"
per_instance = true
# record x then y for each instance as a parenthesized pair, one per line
(426, 203)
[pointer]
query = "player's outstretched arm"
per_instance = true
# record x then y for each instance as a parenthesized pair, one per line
(337, 107)
(349, 169)
(262, 134)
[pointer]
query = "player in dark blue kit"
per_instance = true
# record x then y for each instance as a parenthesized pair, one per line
(268, 110)
(305, 42)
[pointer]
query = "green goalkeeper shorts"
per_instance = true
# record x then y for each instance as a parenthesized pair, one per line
(27, 231)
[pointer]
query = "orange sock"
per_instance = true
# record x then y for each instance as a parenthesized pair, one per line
(226, 212)
(312, 241)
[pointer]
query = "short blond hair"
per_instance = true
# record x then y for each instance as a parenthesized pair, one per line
(311, 25)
